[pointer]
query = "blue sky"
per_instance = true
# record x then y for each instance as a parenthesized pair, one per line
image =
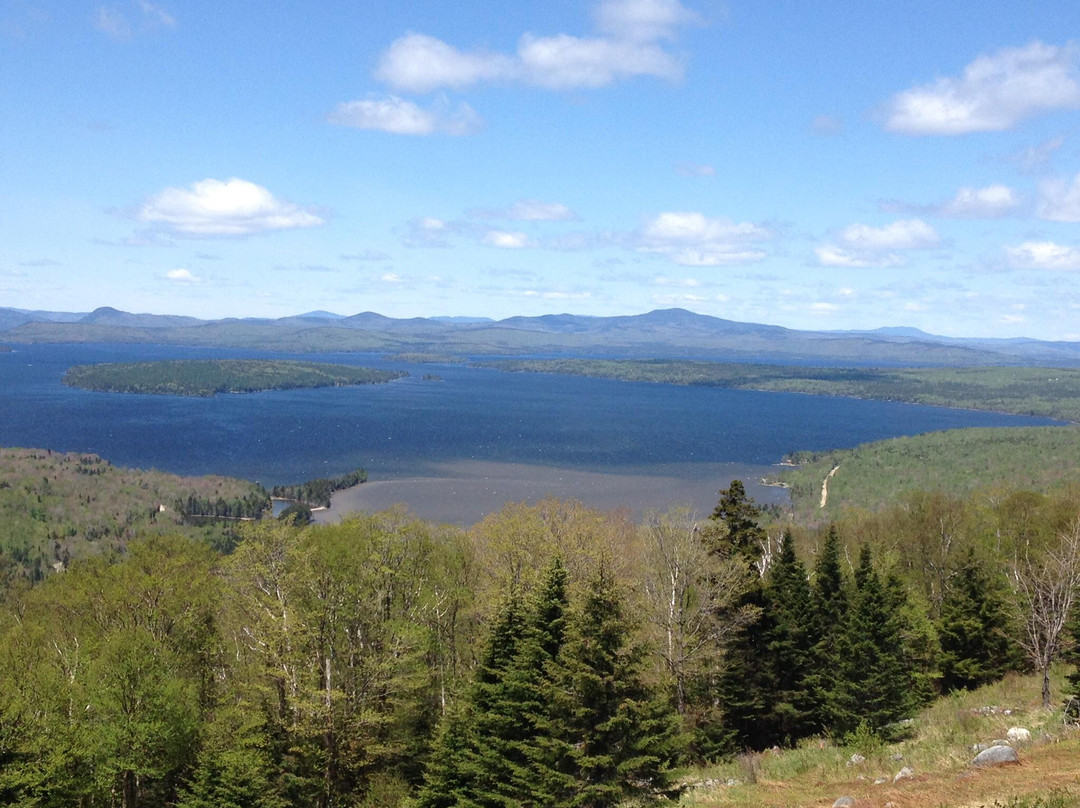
(817, 165)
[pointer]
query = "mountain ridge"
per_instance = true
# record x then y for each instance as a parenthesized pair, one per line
(661, 333)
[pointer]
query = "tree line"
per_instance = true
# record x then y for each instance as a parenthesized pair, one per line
(552, 655)
(317, 492)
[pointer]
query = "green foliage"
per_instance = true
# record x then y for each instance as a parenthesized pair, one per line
(208, 377)
(954, 463)
(744, 536)
(316, 493)
(973, 630)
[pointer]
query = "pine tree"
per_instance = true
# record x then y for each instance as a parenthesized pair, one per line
(972, 630)
(875, 686)
(607, 739)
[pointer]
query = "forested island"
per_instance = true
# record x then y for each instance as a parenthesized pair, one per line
(208, 377)
(551, 655)
(1039, 391)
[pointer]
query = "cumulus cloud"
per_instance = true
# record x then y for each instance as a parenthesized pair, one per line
(627, 47)
(182, 276)
(991, 202)
(694, 239)
(643, 20)
(995, 92)
(401, 117)
(865, 246)
(506, 240)
(1044, 255)
(1060, 201)
(232, 207)
(419, 63)
(530, 210)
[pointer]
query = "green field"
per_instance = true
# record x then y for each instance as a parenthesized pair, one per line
(956, 462)
(208, 377)
(1047, 392)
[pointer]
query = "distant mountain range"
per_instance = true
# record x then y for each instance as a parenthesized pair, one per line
(661, 334)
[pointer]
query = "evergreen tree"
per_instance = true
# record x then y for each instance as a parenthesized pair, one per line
(875, 686)
(607, 738)
(828, 616)
(738, 513)
(789, 644)
(972, 630)
(448, 778)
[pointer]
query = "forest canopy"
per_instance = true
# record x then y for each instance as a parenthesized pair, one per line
(208, 377)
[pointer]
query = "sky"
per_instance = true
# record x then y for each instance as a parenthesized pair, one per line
(825, 165)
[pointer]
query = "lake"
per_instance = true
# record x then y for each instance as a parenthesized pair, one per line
(456, 448)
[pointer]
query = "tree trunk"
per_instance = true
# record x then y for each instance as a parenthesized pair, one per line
(1046, 687)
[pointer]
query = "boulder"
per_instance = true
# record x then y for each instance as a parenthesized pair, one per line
(844, 802)
(997, 756)
(856, 759)
(1018, 735)
(904, 774)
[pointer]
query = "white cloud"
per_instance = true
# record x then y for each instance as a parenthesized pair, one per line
(630, 29)
(991, 202)
(994, 93)
(1044, 255)
(401, 117)
(693, 239)
(830, 255)
(420, 63)
(391, 277)
(694, 170)
(905, 234)
(863, 246)
(232, 207)
(643, 20)
(824, 308)
(115, 23)
(827, 125)
(182, 276)
(530, 210)
(505, 240)
(565, 62)
(689, 283)
(1060, 201)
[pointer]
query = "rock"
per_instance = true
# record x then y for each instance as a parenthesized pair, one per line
(896, 758)
(978, 747)
(881, 781)
(904, 774)
(1000, 742)
(997, 756)
(856, 759)
(844, 802)
(1018, 735)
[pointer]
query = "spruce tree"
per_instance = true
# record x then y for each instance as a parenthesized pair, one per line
(607, 738)
(738, 513)
(972, 630)
(875, 685)
(789, 645)
(828, 616)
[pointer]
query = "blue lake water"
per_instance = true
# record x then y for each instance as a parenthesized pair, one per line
(412, 427)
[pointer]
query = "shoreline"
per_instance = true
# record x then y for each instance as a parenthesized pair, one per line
(464, 492)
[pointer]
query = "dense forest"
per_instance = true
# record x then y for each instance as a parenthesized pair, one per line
(316, 493)
(551, 655)
(208, 377)
(1048, 392)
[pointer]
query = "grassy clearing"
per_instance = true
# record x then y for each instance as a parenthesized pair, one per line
(939, 752)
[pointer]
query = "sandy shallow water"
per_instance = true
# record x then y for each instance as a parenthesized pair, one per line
(462, 493)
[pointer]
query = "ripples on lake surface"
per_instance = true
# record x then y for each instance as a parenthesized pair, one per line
(411, 426)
